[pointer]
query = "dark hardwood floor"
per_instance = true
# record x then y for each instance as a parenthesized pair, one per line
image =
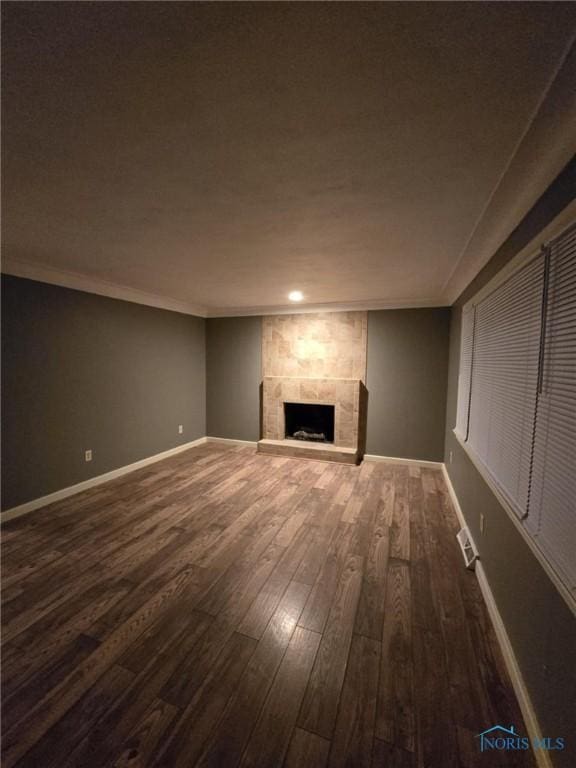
(224, 608)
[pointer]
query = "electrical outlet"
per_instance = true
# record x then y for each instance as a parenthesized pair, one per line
(88, 455)
(180, 429)
(451, 456)
(482, 523)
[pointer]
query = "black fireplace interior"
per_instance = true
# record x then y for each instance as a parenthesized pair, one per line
(308, 421)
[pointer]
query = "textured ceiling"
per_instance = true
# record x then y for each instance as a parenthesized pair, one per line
(222, 154)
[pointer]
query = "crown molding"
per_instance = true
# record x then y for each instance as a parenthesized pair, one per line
(79, 282)
(302, 309)
(546, 146)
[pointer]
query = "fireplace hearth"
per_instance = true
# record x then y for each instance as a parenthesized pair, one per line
(309, 421)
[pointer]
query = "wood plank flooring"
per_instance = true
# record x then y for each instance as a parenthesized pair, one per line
(225, 608)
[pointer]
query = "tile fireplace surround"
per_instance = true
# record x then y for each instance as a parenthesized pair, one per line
(315, 358)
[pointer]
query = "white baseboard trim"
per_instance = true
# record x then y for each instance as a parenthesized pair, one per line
(231, 441)
(454, 498)
(63, 493)
(542, 756)
(396, 460)
(530, 719)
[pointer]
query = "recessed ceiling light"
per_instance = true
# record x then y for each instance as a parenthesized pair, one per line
(295, 295)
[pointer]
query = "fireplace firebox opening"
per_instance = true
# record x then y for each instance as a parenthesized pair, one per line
(309, 421)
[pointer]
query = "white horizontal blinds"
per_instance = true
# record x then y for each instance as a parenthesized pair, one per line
(552, 507)
(466, 346)
(504, 380)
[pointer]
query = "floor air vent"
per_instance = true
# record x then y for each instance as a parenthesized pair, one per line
(468, 551)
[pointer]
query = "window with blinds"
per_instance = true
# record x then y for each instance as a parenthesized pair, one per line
(517, 397)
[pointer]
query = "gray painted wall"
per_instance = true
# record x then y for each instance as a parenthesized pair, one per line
(119, 377)
(83, 371)
(406, 382)
(541, 627)
(233, 377)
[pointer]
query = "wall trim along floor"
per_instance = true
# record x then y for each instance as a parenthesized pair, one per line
(542, 756)
(63, 493)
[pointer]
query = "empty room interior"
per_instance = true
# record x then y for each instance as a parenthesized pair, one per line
(288, 384)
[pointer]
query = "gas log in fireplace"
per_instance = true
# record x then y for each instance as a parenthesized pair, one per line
(309, 421)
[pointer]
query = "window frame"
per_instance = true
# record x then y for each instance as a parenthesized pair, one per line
(531, 251)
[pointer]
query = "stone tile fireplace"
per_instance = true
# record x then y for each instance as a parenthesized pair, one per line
(314, 360)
